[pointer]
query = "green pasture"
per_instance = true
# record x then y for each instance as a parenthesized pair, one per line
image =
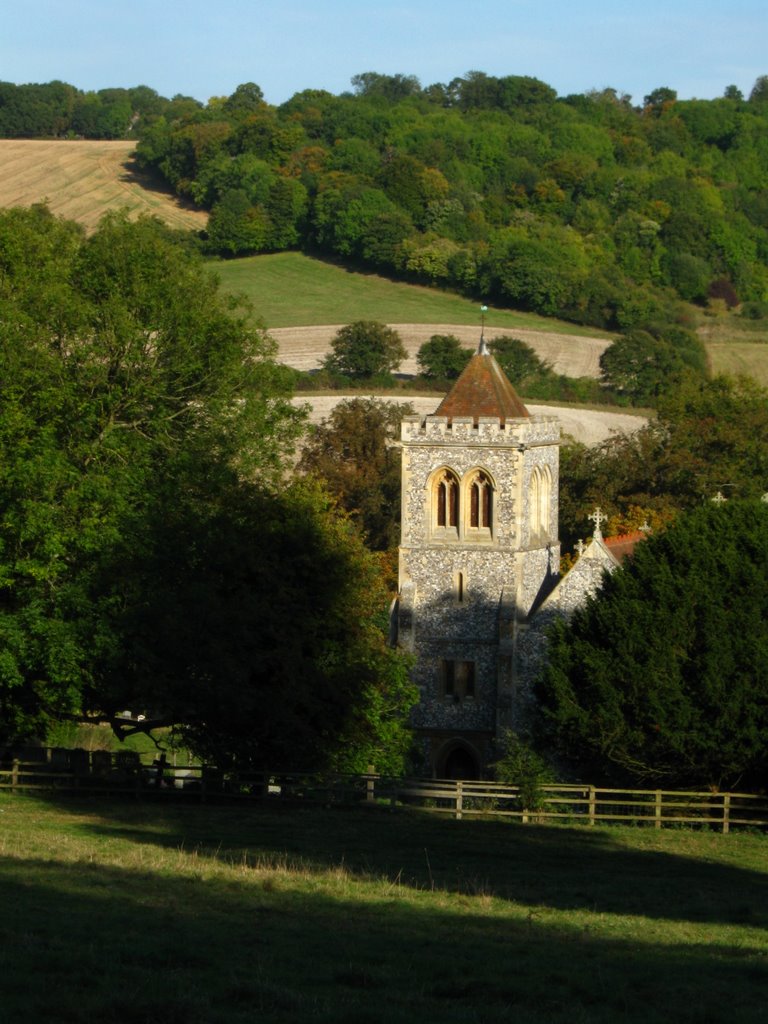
(289, 289)
(143, 912)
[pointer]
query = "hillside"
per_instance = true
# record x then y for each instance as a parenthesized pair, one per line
(82, 179)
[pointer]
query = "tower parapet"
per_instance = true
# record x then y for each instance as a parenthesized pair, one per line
(488, 430)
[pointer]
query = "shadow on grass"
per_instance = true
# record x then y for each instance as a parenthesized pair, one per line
(562, 868)
(84, 941)
(151, 181)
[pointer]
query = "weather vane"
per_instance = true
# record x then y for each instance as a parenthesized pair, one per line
(483, 311)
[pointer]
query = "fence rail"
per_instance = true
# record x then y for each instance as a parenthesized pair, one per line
(123, 773)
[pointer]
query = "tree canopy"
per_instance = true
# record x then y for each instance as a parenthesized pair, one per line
(442, 358)
(151, 554)
(584, 206)
(353, 453)
(365, 349)
(708, 436)
(663, 677)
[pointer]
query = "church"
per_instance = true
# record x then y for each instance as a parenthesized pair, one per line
(479, 564)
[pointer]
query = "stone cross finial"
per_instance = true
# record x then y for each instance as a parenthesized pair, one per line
(719, 499)
(598, 517)
(581, 547)
(646, 527)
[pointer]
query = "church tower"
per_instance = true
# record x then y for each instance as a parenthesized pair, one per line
(478, 552)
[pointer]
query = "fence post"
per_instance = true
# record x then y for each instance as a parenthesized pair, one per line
(459, 799)
(726, 813)
(14, 774)
(657, 810)
(369, 795)
(592, 805)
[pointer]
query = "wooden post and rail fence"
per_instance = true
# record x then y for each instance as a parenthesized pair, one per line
(574, 804)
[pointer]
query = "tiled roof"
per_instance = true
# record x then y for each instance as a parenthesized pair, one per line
(483, 389)
(623, 545)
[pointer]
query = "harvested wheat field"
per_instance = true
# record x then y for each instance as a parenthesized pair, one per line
(81, 180)
(574, 355)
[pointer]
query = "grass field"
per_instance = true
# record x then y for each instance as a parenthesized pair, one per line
(82, 179)
(289, 289)
(749, 359)
(140, 912)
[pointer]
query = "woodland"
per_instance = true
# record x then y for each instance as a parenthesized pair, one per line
(136, 503)
(586, 206)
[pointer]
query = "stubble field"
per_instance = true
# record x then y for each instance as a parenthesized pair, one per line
(81, 180)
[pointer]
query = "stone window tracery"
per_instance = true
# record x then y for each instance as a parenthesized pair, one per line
(445, 502)
(479, 491)
(540, 498)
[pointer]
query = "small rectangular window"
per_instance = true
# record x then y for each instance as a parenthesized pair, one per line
(458, 680)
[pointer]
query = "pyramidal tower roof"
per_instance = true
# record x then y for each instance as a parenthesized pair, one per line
(483, 389)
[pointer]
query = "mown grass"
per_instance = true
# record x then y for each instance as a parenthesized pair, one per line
(141, 912)
(289, 289)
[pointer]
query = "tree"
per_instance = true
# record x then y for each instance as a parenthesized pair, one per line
(640, 367)
(759, 93)
(124, 370)
(257, 623)
(365, 348)
(245, 100)
(663, 677)
(707, 435)
(352, 452)
(236, 227)
(391, 88)
(442, 358)
(660, 99)
(517, 359)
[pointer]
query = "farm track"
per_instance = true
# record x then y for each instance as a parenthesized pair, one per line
(577, 356)
(588, 426)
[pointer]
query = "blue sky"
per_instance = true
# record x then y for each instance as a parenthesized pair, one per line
(205, 48)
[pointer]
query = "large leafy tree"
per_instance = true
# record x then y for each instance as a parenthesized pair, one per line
(256, 622)
(663, 677)
(122, 368)
(442, 358)
(353, 453)
(708, 436)
(365, 348)
(148, 551)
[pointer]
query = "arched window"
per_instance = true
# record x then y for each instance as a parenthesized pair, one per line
(445, 501)
(479, 503)
(539, 503)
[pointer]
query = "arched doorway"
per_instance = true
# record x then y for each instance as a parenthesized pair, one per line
(460, 763)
